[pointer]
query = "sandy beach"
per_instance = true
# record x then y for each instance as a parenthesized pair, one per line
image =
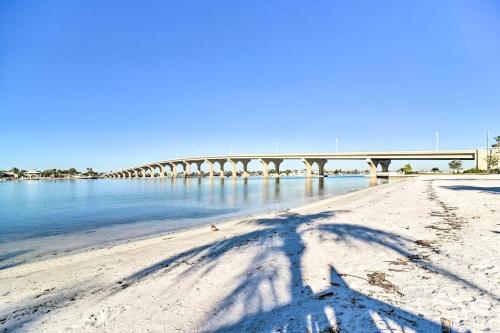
(418, 255)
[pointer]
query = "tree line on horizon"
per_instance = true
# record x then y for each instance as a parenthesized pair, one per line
(54, 173)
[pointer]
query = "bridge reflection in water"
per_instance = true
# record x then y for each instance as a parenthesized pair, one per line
(265, 190)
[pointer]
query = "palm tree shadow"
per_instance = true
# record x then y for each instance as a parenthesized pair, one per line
(270, 297)
(349, 232)
(484, 189)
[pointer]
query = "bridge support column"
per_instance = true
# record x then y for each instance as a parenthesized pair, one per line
(265, 164)
(173, 172)
(309, 164)
(481, 159)
(187, 168)
(129, 174)
(385, 165)
(372, 165)
(221, 163)
(265, 168)
(152, 172)
(245, 167)
(162, 170)
(210, 168)
(321, 167)
(143, 172)
(199, 173)
(234, 168)
(136, 174)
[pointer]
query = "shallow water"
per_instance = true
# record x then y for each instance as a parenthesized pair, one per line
(37, 217)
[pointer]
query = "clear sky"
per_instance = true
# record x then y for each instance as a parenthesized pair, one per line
(109, 84)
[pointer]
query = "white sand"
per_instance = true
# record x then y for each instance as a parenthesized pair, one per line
(306, 269)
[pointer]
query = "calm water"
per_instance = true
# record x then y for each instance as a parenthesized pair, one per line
(86, 212)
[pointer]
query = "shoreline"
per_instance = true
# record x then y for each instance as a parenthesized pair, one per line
(128, 233)
(352, 261)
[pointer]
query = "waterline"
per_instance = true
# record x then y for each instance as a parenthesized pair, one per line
(57, 216)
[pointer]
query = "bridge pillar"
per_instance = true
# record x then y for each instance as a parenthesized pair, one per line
(221, 163)
(245, 167)
(136, 173)
(173, 172)
(162, 170)
(372, 165)
(128, 174)
(198, 168)
(265, 164)
(210, 168)
(143, 172)
(321, 166)
(385, 165)
(265, 168)
(308, 166)
(187, 168)
(234, 168)
(481, 159)
(309, 163)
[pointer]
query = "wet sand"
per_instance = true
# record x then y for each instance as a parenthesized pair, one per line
(406, 256)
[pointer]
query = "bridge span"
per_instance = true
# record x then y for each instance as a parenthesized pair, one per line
(374, 159)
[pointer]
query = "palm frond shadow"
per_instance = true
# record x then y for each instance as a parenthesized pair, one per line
(484, 189)
(260, 287)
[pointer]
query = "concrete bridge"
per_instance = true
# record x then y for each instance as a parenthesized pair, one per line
(374, 159)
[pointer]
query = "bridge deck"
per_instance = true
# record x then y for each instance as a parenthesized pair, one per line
(467, 154)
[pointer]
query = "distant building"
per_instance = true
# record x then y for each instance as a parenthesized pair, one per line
(32, 174)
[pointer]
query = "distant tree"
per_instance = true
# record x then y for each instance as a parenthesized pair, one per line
(496, 145)
(435, 169)
(491, 161)
(407, 169)
(455, 165)
(72, 171)
(15, 170)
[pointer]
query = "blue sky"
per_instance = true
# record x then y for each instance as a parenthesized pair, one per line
(108, 84)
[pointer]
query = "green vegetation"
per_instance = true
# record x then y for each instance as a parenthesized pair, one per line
(492, 158)
(496, 145)
(474, 170)
(492, 161)
(455, 165)
(407, 169)
(435, 169)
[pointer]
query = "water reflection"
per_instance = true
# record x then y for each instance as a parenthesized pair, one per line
(50, 207)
